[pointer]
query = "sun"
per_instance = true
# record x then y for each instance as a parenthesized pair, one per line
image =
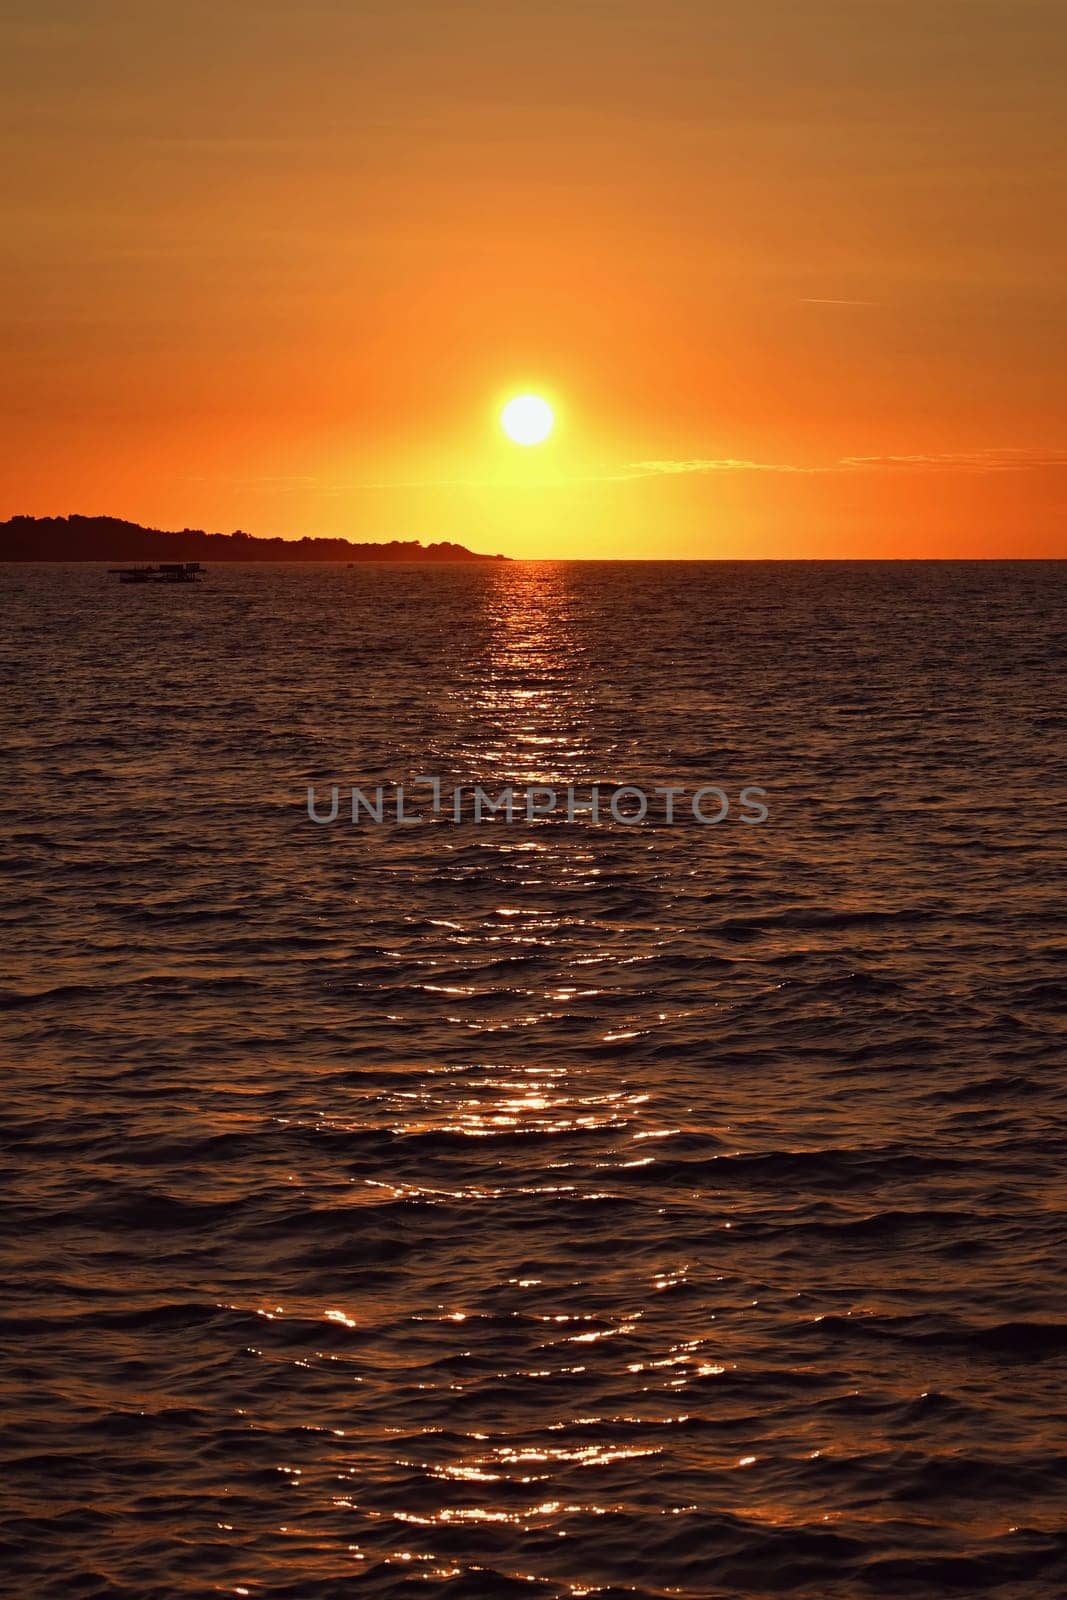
(527, 419)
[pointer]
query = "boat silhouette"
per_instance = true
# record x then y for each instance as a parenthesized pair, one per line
(166, 572)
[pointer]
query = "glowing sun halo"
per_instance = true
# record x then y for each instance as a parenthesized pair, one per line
(527, 419)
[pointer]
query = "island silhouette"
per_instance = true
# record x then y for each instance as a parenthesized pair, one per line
(78, 538)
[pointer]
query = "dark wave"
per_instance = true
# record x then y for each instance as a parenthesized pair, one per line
(534, 1210)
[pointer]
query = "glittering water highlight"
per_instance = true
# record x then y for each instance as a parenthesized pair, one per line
(534, 1210)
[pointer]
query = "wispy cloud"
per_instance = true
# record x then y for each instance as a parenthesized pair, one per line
(812, 300)
(989, 460)
(655, 469)
(1009, 460)
(628, 473)
(1012, 460)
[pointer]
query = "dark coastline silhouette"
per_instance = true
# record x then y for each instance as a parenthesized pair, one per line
(77, 538)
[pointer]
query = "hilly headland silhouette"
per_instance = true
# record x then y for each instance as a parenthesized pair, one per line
(77, 538)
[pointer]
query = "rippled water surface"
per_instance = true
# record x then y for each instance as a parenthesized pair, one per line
(549, 1209)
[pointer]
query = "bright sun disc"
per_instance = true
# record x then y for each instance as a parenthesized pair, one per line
(527, 419)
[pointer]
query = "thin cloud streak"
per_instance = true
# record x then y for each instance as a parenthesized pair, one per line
(1010, 460)
(655, 469)
(1006, 460)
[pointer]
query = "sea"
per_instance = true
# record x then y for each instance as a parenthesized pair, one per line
(554, 1207)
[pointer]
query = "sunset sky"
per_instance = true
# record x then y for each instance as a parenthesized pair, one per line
(792, 275)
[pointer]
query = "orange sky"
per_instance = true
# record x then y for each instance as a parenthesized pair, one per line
(793, 274)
